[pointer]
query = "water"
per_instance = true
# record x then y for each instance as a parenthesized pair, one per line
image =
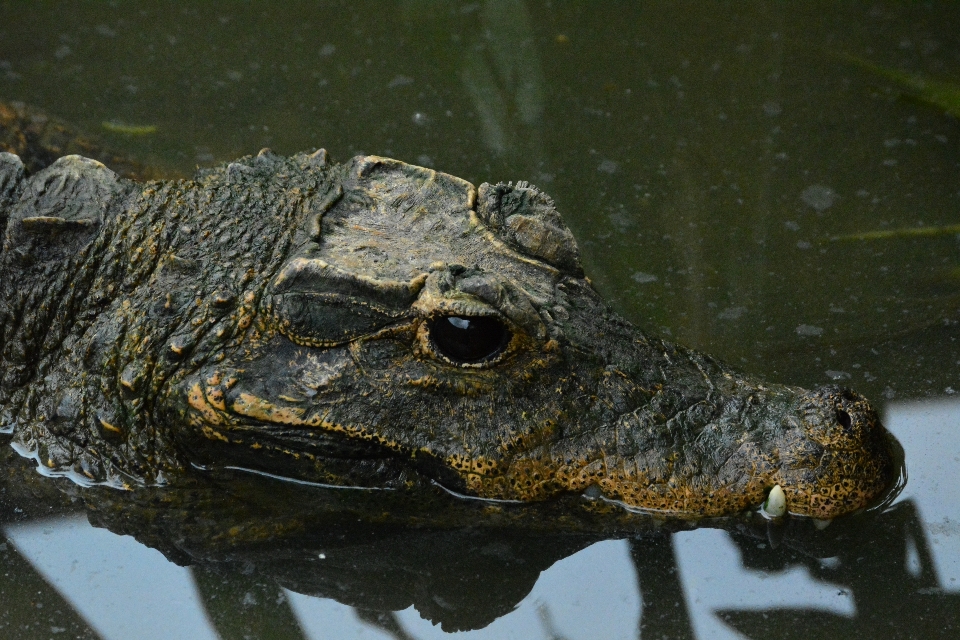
(704, 155)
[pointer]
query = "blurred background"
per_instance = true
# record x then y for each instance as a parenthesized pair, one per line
(703, 153)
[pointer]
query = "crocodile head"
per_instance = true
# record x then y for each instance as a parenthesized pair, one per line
(378, 324)
(426, 326)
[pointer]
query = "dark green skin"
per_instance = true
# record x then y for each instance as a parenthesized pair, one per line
(275, 314)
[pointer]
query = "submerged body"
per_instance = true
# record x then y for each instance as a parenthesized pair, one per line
(377, 324)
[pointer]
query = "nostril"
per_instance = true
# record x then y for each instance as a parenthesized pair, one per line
(844, 419)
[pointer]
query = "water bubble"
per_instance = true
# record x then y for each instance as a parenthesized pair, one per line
(399, 81)
(643, 278)
(772, 108)
(608, 166)
(731, 313)
(818, 197)
(809, 330)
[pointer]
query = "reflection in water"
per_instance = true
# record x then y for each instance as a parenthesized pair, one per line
(243, 605)
(664, 609)
(502, 74)
(872, 572)
(441, 577)
(890, 579)
(32, 608)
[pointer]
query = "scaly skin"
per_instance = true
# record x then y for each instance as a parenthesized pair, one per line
(280, 315)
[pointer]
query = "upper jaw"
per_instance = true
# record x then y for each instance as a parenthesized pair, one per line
(719, 461)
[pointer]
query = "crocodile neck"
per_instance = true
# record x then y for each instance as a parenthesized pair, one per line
(172, 276)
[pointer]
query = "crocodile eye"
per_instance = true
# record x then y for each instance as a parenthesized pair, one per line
(469, 339)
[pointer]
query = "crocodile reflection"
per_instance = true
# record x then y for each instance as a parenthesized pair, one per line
(460, 563)
(376, 324)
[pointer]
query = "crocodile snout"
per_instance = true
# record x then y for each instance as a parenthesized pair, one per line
(840, 458)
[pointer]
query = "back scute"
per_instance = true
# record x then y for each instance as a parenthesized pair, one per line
(60, 209)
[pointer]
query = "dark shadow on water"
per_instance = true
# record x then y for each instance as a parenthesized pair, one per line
(463, 571)
(243, 606)
(664, 611)
(465, 579)
(32, 609)
(889, 574)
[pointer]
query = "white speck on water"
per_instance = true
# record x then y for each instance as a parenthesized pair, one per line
(793, 226)
(803, 244)
(424, 160)
(399, 81)
(420, 119)
(809, 330)
(731, 313)
(819, 197)
(837, 375)
(105, 31)
(608, 166)
(643, 278)
(772, 108)
(890, 162)
(62, 52)
(327, 49)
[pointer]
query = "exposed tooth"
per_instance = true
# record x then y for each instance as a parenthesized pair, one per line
(776, 504)
(821, 524)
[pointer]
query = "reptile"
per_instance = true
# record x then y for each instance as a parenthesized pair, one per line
(382, 325)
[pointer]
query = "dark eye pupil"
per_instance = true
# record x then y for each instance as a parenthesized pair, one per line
(469, 339)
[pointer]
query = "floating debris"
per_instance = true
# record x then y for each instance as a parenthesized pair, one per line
(903, 232)
(942, 94)
(115, 126)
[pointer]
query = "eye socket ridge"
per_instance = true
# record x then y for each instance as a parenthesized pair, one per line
(468, 339)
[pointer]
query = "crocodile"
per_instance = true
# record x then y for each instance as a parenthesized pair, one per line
(379, 325)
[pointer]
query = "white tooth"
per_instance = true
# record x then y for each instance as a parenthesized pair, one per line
(821, 524)
(776, 504)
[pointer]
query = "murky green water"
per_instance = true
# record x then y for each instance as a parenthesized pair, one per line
(704, 154)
